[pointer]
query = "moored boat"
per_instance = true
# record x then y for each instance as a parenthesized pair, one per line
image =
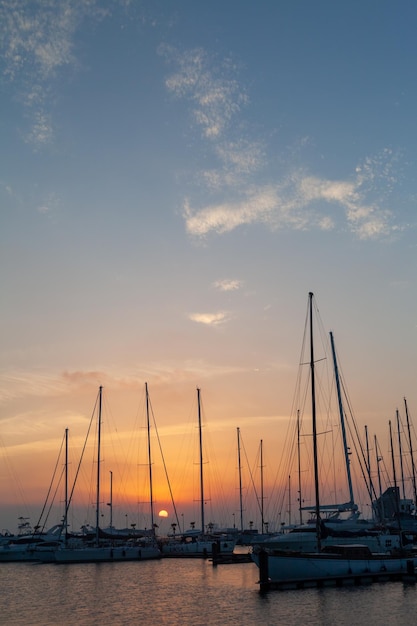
(134, 551)
(332, 562)
(199, 543)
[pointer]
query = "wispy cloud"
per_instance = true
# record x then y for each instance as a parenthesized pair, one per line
(237, 160)
(215, 93)
(42, 130)
(227, 285)
(210, 319)
(37, 43)
(299, 200)
(21, 383)
(49, 204)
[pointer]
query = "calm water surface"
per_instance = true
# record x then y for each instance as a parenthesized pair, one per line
(186, 591)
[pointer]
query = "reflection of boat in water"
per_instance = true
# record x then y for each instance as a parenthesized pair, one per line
(333, 562)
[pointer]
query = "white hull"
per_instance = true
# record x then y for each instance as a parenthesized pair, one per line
(97, 555)
(285, 568)
(19, 554)
(197, 548)
(307, 542)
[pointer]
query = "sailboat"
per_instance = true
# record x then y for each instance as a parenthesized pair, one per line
(194, 542)
(105, 546)
(339, 521)
(33, 544)
(333, 563)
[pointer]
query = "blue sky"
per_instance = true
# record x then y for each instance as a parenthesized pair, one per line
(175, 178)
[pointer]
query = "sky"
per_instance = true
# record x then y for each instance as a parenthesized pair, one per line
(175, 178)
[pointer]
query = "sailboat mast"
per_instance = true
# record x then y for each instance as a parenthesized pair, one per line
(111, 502)
(368, 466)
(201, 461)
(397, 497)
(314, 420)
(149, 458)
(262, 488)
(342, 419)
(98, 464)
(300, 506)
(66, 488)
(413, 467)
(380, 510)
(240, 480)
(400, 450)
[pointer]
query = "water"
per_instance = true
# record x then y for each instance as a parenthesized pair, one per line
(186, 591)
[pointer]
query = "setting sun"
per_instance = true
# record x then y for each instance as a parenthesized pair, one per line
(163, 513)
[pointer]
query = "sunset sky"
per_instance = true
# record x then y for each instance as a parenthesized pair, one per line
(175, 178)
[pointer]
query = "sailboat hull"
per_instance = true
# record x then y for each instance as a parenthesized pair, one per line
(298, 568)
(199, 548)
(103, 554)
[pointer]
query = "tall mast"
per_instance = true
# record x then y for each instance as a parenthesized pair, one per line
(240, 480)
(98, 464)
(342, 419)
(368, 465)
(66, 488)
(149, 458)
(396, 490)
(262, 488)
(201, 461)
(300, 506)
(380, 510)
(413, 467)
(400, 450)
(314, 420)
(111, 502)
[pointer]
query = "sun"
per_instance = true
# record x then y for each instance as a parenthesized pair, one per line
(163, 513)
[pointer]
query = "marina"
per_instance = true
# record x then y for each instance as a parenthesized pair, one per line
(329, 550)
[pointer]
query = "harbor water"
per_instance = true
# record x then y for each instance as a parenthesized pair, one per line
(186, 591)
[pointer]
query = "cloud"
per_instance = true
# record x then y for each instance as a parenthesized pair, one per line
(227, 285)
(214, 93)
(37, 43)
(238, 160)
(210, 319)
(301, 201)
(42, 131)
(50, 203)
